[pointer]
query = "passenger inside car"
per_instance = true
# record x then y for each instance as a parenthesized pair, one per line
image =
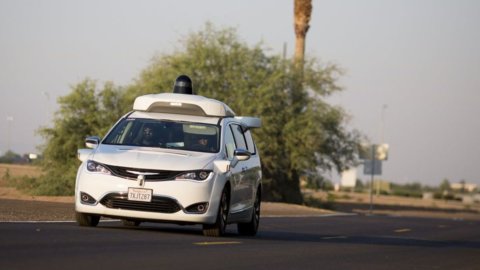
(202, 144)
(148, 136)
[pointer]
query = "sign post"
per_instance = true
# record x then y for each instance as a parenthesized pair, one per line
(373, 156)
(374, 147)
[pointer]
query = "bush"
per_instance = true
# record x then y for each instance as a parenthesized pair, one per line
(412, 190)
(329, 203)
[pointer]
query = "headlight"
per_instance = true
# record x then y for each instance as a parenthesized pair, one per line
(194, 175)
(93, 166)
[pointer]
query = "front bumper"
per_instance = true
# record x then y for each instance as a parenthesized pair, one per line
(172, 201)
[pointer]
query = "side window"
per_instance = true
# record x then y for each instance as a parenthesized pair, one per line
(229, 143)
(238, 135)
(250, 143)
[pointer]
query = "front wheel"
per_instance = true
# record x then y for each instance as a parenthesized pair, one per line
(251, 228)
(218, 228)
(86, 219)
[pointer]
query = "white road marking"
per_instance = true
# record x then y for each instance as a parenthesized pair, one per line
(51, 221)
(216, 243)
(402, 230)
(303, 216)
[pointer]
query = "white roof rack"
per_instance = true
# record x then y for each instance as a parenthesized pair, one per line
(249, 122)
(182, 104)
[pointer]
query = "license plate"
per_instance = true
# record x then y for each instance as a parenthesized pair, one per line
(139, 194)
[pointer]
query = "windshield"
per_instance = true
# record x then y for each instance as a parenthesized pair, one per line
(165, 134)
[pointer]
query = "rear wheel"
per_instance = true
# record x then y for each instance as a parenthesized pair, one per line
(220, 225)
(86, 219)
(251, 227)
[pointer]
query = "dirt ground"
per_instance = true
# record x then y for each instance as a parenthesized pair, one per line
(19, 206)
(13, 170)
(398, 206)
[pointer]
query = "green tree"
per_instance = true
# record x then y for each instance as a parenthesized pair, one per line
(414, 189)
(359, 186)
(445, 186)
(10, 157)
(300, 131)
(85, 111)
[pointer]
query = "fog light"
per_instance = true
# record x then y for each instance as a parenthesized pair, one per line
(203, 175)
(86, 198)
(198, 208)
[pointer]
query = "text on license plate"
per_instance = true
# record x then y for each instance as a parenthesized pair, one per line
(139, 194)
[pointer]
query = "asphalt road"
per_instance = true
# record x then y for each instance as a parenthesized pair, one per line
(335, 242)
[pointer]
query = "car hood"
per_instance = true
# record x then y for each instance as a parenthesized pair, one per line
(153, 158)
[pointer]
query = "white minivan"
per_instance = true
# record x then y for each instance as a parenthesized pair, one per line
(178, 158)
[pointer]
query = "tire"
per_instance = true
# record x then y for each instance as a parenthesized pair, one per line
(251, 228)
(130, 223)
(86, 219)
(218, 228)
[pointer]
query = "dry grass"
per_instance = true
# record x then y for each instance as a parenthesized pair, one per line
(397, 206)
(404, 201)
(17, 172)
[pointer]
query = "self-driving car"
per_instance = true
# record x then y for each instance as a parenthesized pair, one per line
(176, 158)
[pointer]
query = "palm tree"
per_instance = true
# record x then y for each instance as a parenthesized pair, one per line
(302, 13)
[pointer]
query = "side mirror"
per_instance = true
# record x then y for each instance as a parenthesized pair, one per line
(240, 155)
(92, 141)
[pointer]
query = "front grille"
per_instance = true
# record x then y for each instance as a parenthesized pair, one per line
(150, 175)
(158, 204)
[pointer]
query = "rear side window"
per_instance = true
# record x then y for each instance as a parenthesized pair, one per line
(243, 139)
(250, 143)
(238, 135)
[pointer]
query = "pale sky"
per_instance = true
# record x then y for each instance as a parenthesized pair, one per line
(416, 62)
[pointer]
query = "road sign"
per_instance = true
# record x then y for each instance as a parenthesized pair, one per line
(372, 167)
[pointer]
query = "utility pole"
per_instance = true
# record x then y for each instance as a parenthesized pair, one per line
(47, 106)
(9, 131)
(382, 136)
(372, 176)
